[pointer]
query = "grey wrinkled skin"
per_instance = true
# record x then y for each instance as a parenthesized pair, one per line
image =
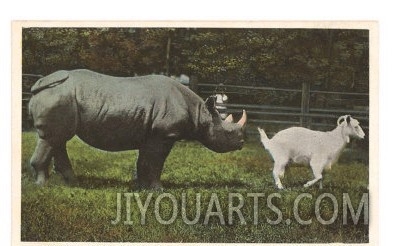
(148, 113)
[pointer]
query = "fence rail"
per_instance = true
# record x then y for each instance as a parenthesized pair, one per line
(266, 88)
(284, 108)
(32, 75)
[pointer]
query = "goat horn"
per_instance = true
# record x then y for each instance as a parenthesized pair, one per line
(242, 121)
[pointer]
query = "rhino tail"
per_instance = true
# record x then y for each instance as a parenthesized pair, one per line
(49, 81)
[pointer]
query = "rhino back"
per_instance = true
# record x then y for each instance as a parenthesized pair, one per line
(120, 113)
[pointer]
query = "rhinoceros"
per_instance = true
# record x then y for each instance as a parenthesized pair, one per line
(149, 113)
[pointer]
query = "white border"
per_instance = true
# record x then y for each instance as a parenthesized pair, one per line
(16, 98)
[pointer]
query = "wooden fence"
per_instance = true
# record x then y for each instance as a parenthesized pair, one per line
(303, 114)
(27, 82)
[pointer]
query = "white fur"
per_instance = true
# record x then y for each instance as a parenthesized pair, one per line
(301, 145)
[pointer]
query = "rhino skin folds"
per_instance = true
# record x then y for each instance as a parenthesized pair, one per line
(147, 113)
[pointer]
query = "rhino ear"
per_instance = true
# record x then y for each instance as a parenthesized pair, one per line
(210, 102)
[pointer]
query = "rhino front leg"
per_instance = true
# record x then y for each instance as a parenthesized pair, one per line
(150, 164)
(63, 164)
(41, 159)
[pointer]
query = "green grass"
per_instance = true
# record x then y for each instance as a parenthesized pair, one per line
(57, 212)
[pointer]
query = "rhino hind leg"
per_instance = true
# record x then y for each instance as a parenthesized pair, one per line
(150, 164)
(40, 160)
(63, 164)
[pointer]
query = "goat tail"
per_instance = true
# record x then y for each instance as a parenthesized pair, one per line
(263, 137)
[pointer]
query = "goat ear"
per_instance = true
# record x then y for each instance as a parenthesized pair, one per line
(348, 119)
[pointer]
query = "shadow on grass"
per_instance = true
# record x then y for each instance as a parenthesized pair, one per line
(91, 182)
(328, 186)
(205, 185)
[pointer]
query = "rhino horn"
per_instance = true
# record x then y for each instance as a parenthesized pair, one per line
(229, 119)
(242, 121)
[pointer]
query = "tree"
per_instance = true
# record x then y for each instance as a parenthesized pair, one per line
(336, 59)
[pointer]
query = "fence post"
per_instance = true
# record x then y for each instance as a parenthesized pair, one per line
(305, 120)
(193, 84)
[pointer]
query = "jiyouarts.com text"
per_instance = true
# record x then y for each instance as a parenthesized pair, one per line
(249, 208)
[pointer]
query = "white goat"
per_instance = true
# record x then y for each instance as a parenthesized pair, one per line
(301, 145)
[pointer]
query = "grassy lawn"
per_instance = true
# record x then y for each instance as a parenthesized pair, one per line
(57, 212)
